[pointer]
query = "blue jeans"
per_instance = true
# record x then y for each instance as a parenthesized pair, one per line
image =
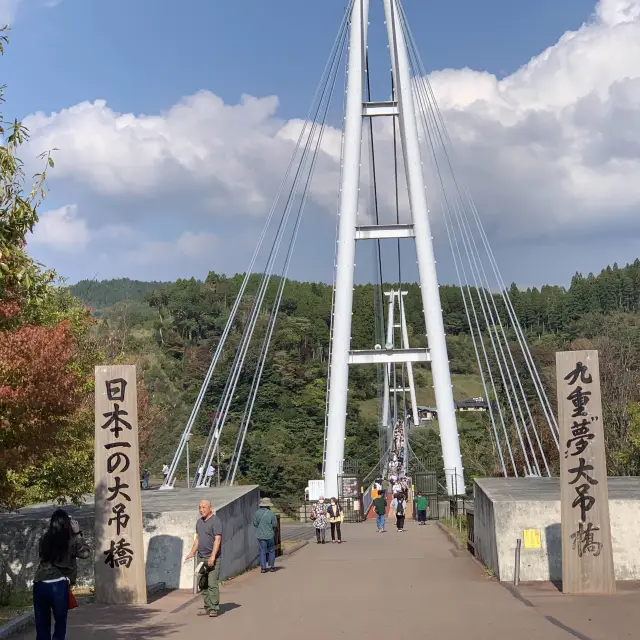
(380, 521)
(48, 598)
(267, 547)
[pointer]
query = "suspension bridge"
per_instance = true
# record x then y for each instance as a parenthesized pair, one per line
(400, 184)
(427, 186)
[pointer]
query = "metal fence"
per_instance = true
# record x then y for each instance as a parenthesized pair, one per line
(351, 498)
(426, 483)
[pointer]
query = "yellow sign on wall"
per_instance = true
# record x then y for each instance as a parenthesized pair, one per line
(532, 539)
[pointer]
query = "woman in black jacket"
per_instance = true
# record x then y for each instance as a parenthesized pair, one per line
(60, 547)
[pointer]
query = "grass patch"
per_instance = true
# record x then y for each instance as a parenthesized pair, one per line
(457, 526)
(18, 602)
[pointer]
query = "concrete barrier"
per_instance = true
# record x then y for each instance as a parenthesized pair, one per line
(505, 507)
(169, 519)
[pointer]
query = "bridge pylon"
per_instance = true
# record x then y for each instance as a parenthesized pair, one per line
(402, 107)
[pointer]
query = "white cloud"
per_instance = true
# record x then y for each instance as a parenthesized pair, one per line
(554, 147)
(62, 229)
(614, 12)
(8, 10)
(189, 247)
(231, 156)
(557, 143)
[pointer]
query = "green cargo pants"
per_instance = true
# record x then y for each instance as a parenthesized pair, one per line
(212, 592)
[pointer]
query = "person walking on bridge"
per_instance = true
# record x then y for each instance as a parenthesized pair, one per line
(335, 519)
(266, 523)
(422, 505)
(399, 505)
(319, 517)
(208, 546)
(380, 506)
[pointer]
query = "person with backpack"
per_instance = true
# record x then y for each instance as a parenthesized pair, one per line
(399, 505)
(57, 572)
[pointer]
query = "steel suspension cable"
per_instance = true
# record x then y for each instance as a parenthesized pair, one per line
(498, 328)
(241, 354)
(283, 280)
(487, 315)
(447, 210)
(218, 352)
(187, 431)
(378, 295)
(549, 414)
(480, 292)
(477, 354)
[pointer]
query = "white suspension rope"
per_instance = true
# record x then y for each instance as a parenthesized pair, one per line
(524, 347)
(283, 280)
(499, 328)
(446, 207)
(187, 431)
(480, 274)
(235, 373)
(546, 405)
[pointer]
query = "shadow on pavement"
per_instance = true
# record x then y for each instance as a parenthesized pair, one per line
(118, 623)
(225, 607)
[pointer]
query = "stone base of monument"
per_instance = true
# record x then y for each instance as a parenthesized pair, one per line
(169, 519)
(507, 507)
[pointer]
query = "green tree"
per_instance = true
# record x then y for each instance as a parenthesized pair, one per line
(45, 428)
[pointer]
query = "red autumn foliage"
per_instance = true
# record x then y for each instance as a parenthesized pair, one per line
(38, 391)
(8, 309)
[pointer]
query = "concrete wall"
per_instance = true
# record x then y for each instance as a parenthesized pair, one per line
(502, 516)
(484, 530)
(169, 530)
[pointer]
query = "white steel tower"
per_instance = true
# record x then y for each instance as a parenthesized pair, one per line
(402, 106)
(390, 380)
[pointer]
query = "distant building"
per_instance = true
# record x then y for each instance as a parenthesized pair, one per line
(474, 404)
(427, 414)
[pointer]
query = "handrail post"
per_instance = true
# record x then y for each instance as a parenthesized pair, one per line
(516, 572)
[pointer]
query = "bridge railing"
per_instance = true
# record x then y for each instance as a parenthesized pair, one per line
(471, 540)
(367, 500)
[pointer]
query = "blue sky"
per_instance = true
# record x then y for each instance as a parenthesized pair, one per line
(130, 198)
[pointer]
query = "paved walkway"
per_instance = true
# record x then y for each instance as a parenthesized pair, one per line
(401, 585)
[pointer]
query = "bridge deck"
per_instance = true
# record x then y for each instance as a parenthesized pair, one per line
(401, 585)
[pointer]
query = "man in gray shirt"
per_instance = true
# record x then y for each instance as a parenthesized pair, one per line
(208, 546)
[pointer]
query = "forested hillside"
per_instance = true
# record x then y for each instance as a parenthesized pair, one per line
(170, 330)
(101, 294)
